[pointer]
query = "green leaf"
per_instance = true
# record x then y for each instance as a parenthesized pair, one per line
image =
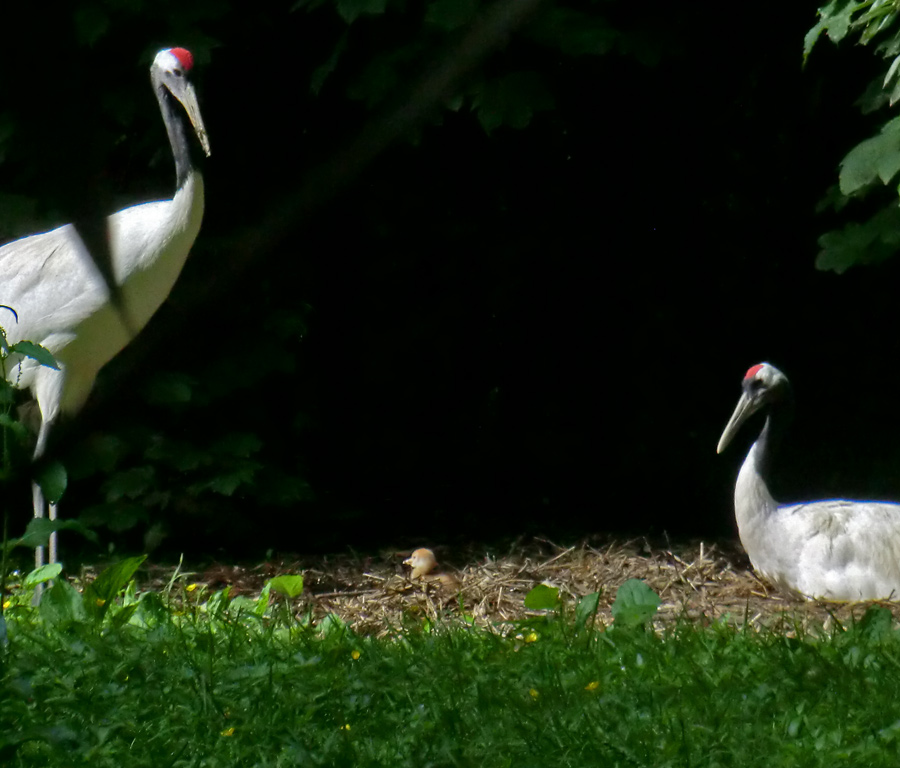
(332, 626)
(871, 242)
(130, 483)
(875, 158)
(289, 586)
(8, 422)
(106, 587)
(876, 622)
(52, 479)
(37, 532)
(635, 603)
(542, 598)
(834, 20)
(62, 604)
(36, 352)
(262, 602)
(42, 574)
(586, 609)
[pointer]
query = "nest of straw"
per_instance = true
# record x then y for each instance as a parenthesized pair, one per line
(374, 594)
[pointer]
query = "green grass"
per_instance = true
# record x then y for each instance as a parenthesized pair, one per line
(177, 680)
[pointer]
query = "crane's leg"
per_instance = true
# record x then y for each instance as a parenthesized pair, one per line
(52, 553)
(38, 499)
(40, 503)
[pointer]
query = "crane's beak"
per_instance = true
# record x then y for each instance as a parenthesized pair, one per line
(188, 99)
(745, 408)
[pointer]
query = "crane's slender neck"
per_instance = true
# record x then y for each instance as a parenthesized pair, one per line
(177, 126)
(777, 420)
(753, 494)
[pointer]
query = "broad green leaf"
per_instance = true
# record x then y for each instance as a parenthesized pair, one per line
(586, 608)
(870, 242)
(106, 587)
(35, 352)
(38, 530)
(52, 479)
(542, 598)
(123, 616)
(332, 626)
(834, 20)
(8, 422)
(289, 586)
(42, 574)
(875, 158)
(635, 603)
(62, 604)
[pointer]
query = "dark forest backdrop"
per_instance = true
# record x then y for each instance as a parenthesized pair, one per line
(525, 309)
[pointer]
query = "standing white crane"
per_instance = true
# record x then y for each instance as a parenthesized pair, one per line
(60, 295)
(831, 549)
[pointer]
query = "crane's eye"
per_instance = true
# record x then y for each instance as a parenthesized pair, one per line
(177, 72)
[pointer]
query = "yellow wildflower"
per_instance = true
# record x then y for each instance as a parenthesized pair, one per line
(355, 655)
(228, 732)
(531, 637)
(534, 693)
(592, 686)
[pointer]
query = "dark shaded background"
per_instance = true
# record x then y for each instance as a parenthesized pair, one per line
(474, 335)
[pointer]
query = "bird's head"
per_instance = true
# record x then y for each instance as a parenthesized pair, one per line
(763, 385)
(170, 70)
(422, 561)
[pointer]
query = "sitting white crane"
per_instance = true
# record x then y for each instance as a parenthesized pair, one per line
(59, 293)
(831, 549)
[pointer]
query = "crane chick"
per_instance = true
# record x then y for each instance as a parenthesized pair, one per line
(423, 562)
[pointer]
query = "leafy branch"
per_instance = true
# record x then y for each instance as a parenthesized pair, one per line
(874, 162)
